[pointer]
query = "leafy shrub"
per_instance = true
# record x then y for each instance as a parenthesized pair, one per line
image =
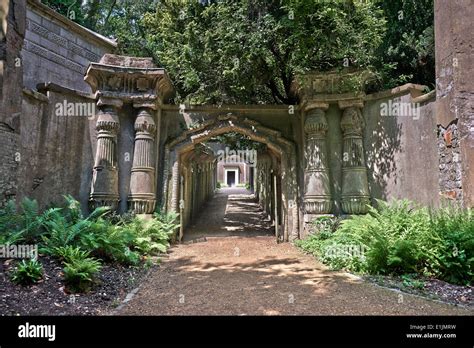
(27, 272)
(153, 235)
(79, 273)
(410, 282)
(20, 225)
(66, 226)
(401, 238)
(110, 242)
(62, 231)
(454, 259)
(70, 253)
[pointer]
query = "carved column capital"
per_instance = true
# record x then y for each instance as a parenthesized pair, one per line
(144, 123)
(352, 121)
(316, 122)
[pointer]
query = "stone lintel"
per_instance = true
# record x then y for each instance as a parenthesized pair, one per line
(115, 102)
(149, 104)
(315, 105)
(331, 83)
(129, 82)
(357, 103)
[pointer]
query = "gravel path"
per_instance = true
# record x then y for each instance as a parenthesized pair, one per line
(236, 272)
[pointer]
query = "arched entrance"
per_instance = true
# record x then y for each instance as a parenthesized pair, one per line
(283, 178)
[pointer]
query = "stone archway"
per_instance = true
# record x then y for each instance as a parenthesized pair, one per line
(224, 123)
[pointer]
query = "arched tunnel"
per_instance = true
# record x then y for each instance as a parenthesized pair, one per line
(226, 190)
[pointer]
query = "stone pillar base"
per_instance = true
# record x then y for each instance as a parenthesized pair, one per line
(97, 200)
(317, 205)
(355, 205)
(142, 204)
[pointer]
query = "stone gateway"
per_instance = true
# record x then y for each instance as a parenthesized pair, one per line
(335, 152)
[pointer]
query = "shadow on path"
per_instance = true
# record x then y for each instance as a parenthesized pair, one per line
(231, 212)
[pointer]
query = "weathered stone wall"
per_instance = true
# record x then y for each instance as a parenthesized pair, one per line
(9, 163)
(450, 168)
(454, 47)
(11, 64)
(56, 151)
(401, 150)
(13, 14)
(51, 155)
(58, 50)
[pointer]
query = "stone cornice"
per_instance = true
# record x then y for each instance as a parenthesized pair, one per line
(89, 34)
(130, 79)
(356, 102)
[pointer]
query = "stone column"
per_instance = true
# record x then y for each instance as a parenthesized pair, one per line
(104, 190)
(141, 199)
(317, 194)
(355, 189)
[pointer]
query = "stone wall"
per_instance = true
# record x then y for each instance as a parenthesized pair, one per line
(450, 166)
(56, 151)
(401, 150)
(58, 50)
(454, 48)
(9, 164)
(11, 85)
(425, 157)
(44, 156)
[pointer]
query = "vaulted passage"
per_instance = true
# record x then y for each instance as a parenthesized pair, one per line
(247, 204)
(230, 212)
(201, 161)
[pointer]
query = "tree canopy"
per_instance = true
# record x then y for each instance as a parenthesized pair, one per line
(249, 51)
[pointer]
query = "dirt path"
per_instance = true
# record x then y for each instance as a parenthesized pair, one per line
(253, 275)
(232, 212)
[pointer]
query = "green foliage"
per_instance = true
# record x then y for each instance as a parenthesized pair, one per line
(109, 241)
(68, 8)
(70, 253)
(27, 272)
(237, 141)
(66, 226)
(455, 254)
(410, 282)
(80, 241)
(79, 273)
(407, 50)
(19, 225)
(400, 238)
(248, 51)
(153, 235)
